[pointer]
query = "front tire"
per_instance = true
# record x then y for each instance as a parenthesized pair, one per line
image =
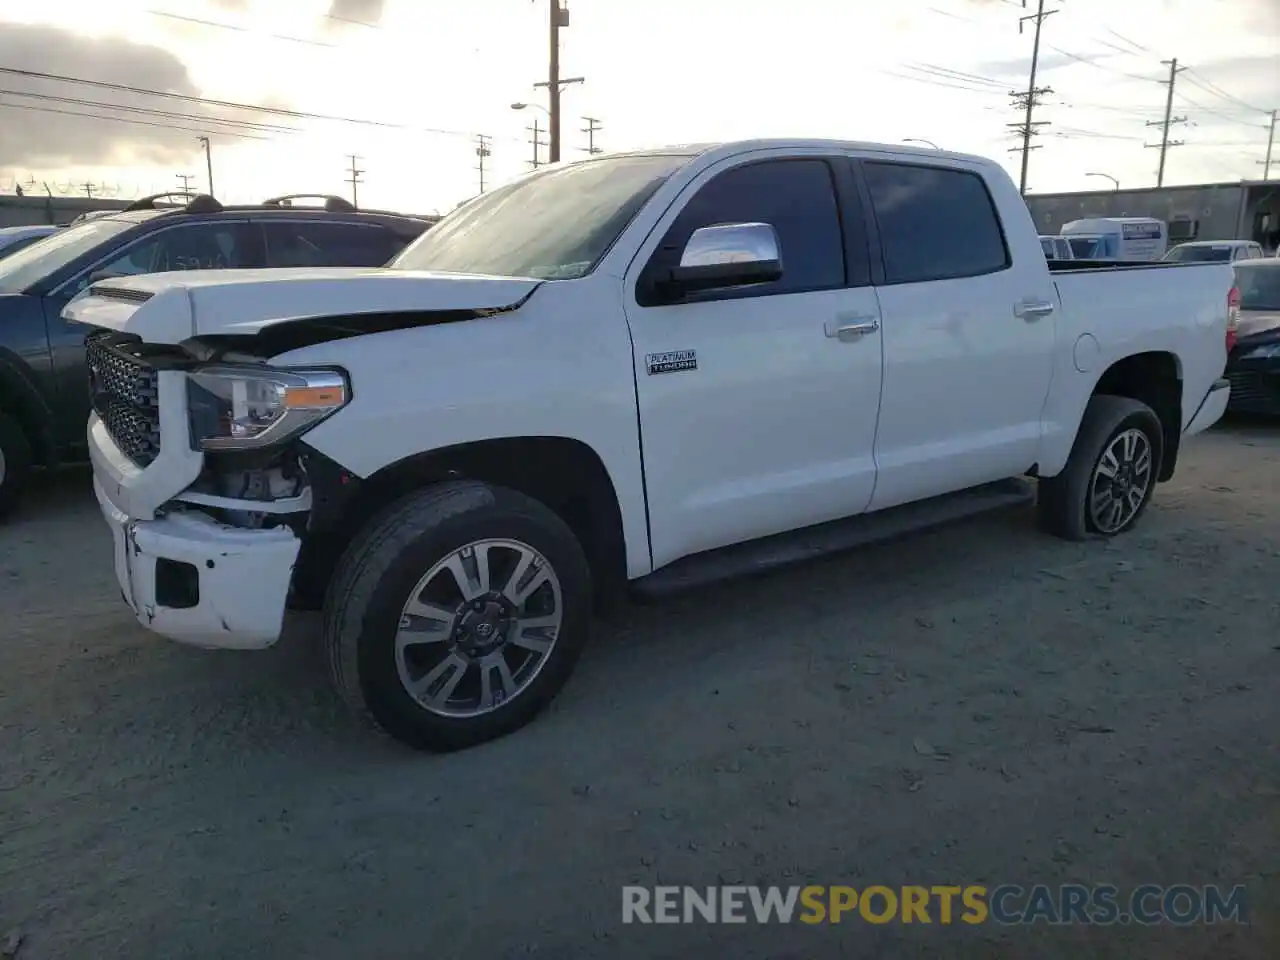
(1110, 475)
(457, 615)
(15, 464)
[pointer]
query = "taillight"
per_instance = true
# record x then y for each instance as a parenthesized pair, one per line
(1233, 317)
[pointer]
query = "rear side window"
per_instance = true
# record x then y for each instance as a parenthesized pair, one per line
(935, 223)
(797, 197)
(329, 244)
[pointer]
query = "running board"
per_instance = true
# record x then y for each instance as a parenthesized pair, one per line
(785, 549)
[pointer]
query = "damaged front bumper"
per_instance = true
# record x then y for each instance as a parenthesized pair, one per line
(186, 575)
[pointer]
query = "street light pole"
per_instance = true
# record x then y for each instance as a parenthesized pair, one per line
(208, 160)
(1108, 176)
(920, 140)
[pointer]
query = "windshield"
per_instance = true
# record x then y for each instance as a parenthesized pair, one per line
(1259, 288)
(554, 225)
(1189, 254)
(32, 264)
(8, 247)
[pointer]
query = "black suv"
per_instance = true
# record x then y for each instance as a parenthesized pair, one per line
(44, 392)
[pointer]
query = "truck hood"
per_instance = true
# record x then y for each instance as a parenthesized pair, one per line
(173, 307)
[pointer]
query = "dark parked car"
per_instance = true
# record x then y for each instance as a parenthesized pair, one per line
(1254, 365)
(44, 390)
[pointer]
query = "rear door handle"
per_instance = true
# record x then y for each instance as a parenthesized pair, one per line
(851, 328)
(1033, 309)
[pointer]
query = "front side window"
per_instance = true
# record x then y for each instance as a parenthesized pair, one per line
(796, 197)
(197, 246)
(328, 244)
(552, 225)
(935, 223)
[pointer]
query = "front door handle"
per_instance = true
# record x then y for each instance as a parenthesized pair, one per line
(851, 328)
(1033, 309)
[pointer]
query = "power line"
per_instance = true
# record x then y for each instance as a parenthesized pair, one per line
(240, 29)
(1124, 39)
(150, 111)
(98, 116)
(1209, 86)
(1169, 119)
(1100, 66)
(229, 104)
(949, 86)
(946, 73)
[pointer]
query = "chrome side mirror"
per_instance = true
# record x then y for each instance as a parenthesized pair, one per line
(728, 255)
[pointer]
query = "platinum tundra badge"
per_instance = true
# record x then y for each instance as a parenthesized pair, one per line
(671, 361)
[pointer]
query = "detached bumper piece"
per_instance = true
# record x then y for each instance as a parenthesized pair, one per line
(199, 582)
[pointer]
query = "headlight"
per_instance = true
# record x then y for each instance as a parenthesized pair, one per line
(242, 408)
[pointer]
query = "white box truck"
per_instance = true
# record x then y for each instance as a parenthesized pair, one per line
(1117, 238)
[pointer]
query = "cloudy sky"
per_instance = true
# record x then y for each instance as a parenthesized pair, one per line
(425, 76)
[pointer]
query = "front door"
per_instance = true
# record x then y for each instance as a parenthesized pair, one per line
(756, 414)
(968, 334)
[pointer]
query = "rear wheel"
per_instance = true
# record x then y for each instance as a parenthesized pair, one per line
(15, 464)
(458, 615)
(1111, 473)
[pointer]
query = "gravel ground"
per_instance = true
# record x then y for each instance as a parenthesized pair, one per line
(980, 704)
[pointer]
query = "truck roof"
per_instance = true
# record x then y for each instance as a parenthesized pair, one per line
(732, 147)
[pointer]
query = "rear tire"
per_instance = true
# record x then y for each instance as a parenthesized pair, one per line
(405, 560)
(15, 464)
(1074, 505)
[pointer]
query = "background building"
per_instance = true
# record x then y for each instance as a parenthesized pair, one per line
(1247, 210)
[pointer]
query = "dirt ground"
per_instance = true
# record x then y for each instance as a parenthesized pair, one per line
(980, 704)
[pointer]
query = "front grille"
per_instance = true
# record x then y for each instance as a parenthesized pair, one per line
(1254, 391)
(125, 392)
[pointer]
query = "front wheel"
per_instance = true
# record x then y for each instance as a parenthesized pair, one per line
(458, 615)
(1111, 472)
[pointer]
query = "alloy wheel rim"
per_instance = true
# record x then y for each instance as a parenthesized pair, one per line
(478, 628)
(1121, 481)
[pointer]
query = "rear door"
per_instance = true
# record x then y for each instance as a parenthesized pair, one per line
(968, 333)
(766, 422)
(328, 243)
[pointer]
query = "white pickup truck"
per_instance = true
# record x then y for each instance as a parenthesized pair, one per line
(654, 368)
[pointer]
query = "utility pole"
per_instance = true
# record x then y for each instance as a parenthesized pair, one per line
(88, 189)
(1169, 119)
(538, 143)
(1027, 102)
(1271, 139)
(208, 160)
(354, 179)
(482, 153)
(593, 125)
(186, 179)
(559, 19)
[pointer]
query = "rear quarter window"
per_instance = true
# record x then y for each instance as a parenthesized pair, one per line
(936, 223)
